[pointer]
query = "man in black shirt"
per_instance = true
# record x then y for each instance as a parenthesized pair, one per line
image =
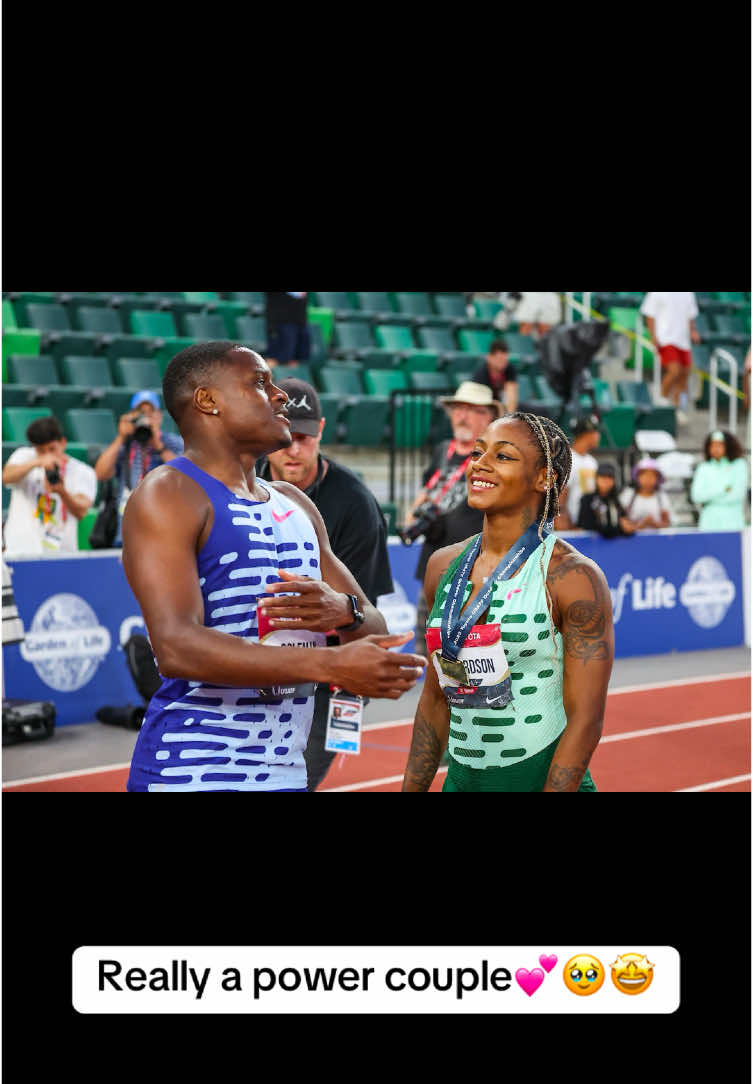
(444, 496)
(499, 375)
(354, 521)
(288, 337)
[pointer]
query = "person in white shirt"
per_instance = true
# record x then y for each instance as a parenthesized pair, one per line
(583, 472)
(538, 310)
(670, 318)
(644, 504)
(51, 492)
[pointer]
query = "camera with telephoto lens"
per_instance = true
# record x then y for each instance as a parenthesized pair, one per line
(426, 515)
(142, 430)
(53, 476)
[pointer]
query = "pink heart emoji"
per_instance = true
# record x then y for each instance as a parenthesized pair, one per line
(529, 981)
(548, 962)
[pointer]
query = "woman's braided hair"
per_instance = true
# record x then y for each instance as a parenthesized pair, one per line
(558, 459)
(555, 455)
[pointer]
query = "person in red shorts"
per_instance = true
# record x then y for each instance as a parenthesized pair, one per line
(671, 325)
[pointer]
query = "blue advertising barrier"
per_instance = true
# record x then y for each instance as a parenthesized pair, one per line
(671, 591)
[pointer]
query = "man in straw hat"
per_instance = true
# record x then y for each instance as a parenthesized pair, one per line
(442, 503)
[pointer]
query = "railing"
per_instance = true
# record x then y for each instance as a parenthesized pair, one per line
(723, 355)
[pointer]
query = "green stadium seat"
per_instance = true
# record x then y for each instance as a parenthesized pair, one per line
(416, 305)
(300, 371)
(394, 337)
(78, 451)
(338, 301)
(21, 341)
(155, 324)
(340, 380)
(729, 328)
(51, 317)
(452, 305)
(26, 369)
(74, 397)
(100, 320)
(544, 392)
(384, 381)
(474, 341)
(376, 304)
(420, 361)
(252, 330)
(136, 373)
(353, 338)
(129, 346)
(636, 392)
(364, 420)
(256, 301)
(522, 345)
(166, 349)
(330, 412)
(618, 427)
(9, 316)
(16, 420)
(86, 370)
(202, 298)
(90, 426)
(57, 336)
(486, 309)
(25, 395)
(424, 381)
(85, 525)
(21, 300)
(205, 326)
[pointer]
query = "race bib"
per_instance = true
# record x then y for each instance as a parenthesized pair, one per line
(481, 676)
(344, 723)
(292, 637)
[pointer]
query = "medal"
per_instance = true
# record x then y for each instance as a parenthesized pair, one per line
(454, 669)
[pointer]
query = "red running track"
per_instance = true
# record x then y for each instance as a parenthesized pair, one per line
(709, 744)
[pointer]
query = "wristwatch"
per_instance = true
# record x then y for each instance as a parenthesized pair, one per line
(358, 617)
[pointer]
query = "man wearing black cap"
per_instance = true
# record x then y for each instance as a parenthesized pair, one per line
(355, 525)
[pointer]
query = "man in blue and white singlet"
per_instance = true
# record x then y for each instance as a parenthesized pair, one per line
(204, 546)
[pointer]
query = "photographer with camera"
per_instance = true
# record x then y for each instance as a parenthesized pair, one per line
(139, 447)
(440, 512)
(51, 493)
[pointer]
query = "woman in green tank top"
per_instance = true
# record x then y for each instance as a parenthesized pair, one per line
(521, 707)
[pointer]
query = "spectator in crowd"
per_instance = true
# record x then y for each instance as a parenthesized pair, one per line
(670, 318)
(540, 311)
(644, 503)
(354, 521)
(442, 504)
(499, 375)
(720, 484)
(583, 473)
(51, 492)
(139, 446)
(601, 510)
(288, 336)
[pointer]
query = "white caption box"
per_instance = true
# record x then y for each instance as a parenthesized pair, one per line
(340, 979)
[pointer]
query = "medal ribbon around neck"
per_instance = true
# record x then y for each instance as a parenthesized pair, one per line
(455, 629)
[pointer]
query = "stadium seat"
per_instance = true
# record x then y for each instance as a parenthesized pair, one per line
(340, 303)
(9, 316)
(52, 317)
(129, 346)
(86, 370)
(475, 342)
(20, 300)
(377, 305)
(300, 371)
(57, 336)
(450, 305)
(253, 331)
(136, 373)
(205, 326)
(16, 421)
(202, 298)
(25, 395)
(340, 380)
(384, 381)
(330, 412)
(431, 382)
(256, 301)
(74, 397)
(154, 324)
(522, 345)
(364, 420)
(395, 337)
(90, 426)
(353, 338)
(101, 320)
(26, 369)
(416, 305)
(85, 525)
(424, 361)
(729, 328)
(486, 309)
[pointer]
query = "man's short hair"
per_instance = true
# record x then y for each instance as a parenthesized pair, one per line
(43, 430)
(189, 369)
(498, 346)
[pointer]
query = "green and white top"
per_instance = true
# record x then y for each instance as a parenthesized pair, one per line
(498, 737)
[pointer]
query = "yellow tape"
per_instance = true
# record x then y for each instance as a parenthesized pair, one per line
(650, 346)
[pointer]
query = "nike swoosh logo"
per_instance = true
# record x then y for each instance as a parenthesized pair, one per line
(279, 519)
(494, 699)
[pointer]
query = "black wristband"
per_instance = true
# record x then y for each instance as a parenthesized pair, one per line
(358, 617)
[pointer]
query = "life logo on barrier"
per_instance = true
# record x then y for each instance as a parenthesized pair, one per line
(707, 593)
(65, 643)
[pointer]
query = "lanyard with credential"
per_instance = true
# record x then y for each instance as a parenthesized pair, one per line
(455, 630)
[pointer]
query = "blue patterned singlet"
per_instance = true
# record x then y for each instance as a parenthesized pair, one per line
(197, 736)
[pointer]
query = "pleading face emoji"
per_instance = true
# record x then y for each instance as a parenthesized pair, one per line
(632, 973)
(583, 974)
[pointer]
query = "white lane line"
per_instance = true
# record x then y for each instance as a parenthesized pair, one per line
(67, 775)
(372, 782)
(675, 726)
(716, 783)
(709, 678)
